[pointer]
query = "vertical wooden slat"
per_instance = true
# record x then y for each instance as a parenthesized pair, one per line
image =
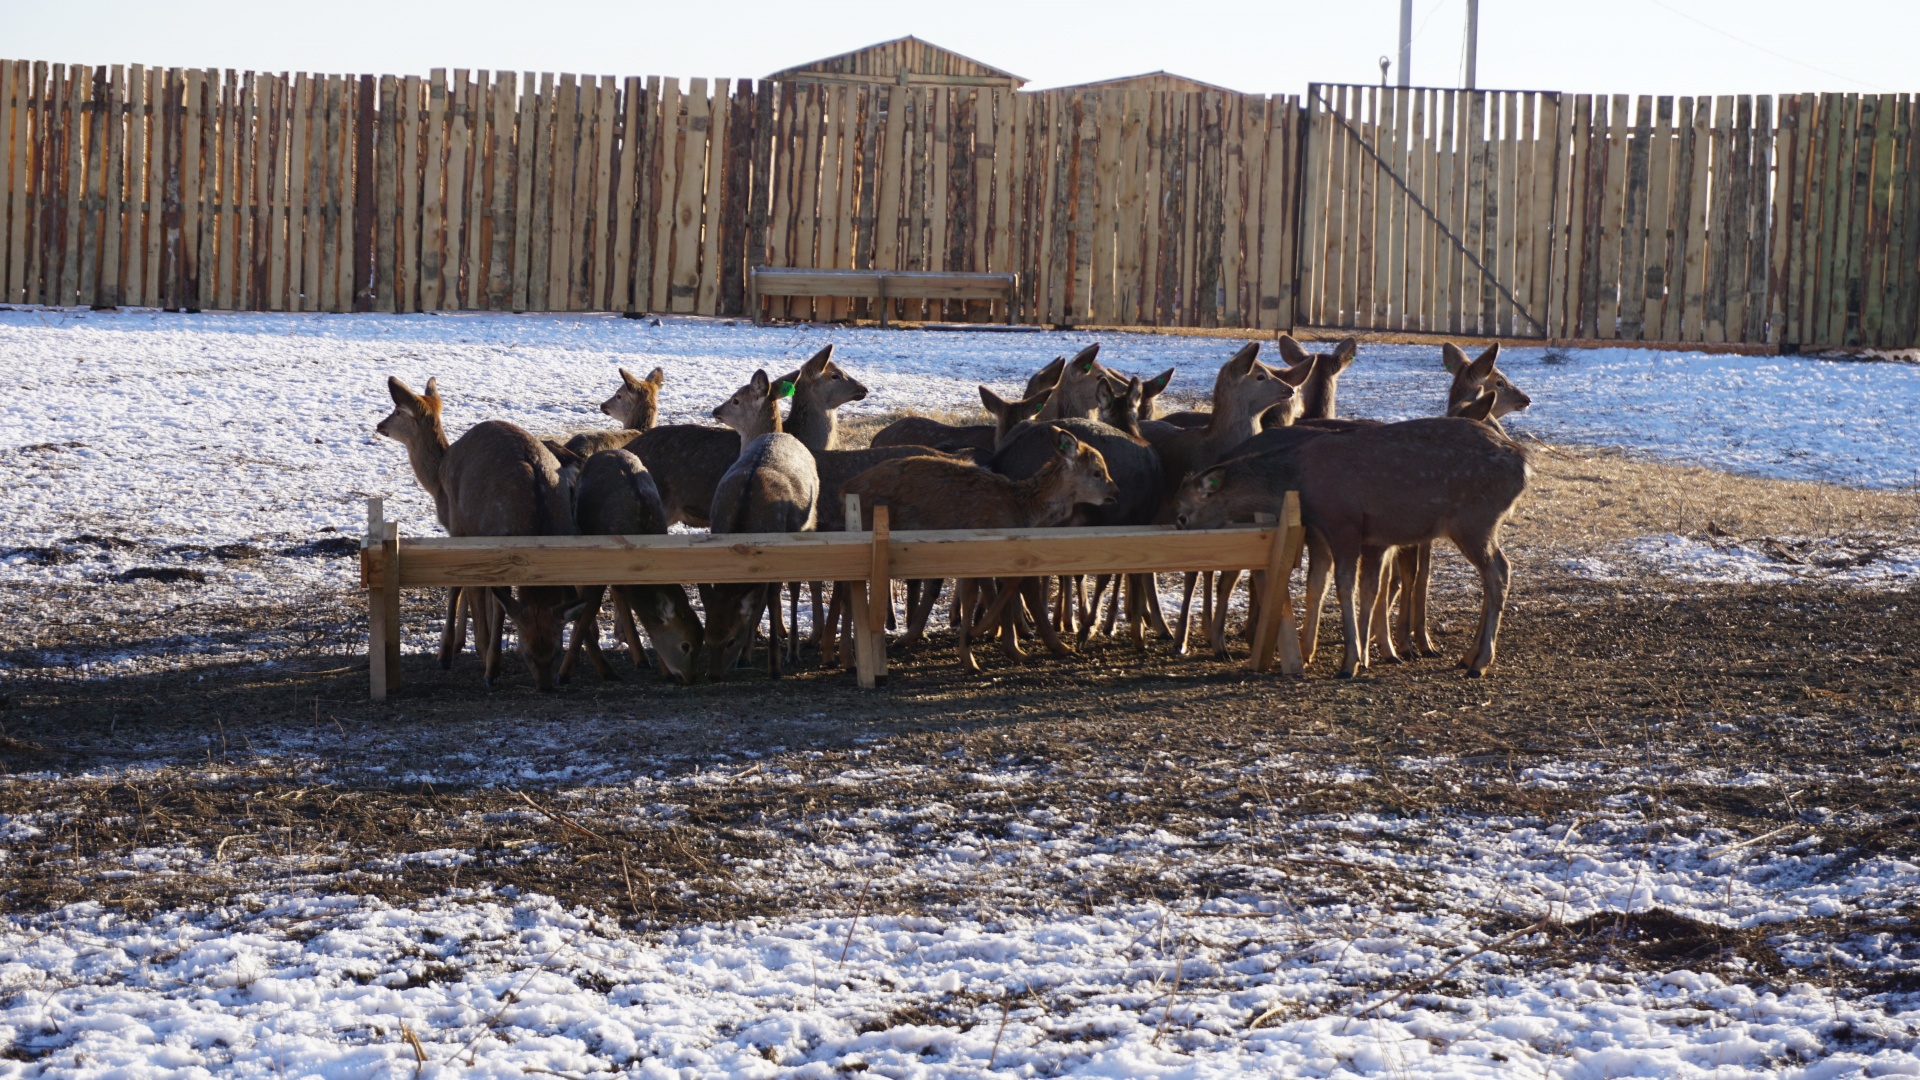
(1273, 287)
(473, 280)
(1633, 225)
(138, 204)
(527, 161)
(193, 158)
(409, 115)
(433, 238)
(687, 203)
(73, 188)
(1714, 310)
(271, 251)
(1444, 265)
(1872, 249)
(1152, 206)
(300, 222)
(1783, 234)
(1739, 210)
(666, 192)
(92, 120)
(563, 153)
(624, 196)
(1131, 192)
(1613, 210)
(1503, 162)
(248, 186)
(1759, 175)
(1105, 190)
(1907, 171)
(387, 185)
(21, 92)
(585, 171)
(502, 168)
(1700, 153)
(1657, 278)
(364, 191)
(110, 289)
(709, 281)
(599, 218)
(1476, 290)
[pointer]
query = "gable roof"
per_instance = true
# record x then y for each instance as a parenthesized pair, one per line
(1151, 80)
(885, 62)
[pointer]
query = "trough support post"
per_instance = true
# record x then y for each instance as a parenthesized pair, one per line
(380, 573)
(1276, 622)
(879, 596)
(856, 593)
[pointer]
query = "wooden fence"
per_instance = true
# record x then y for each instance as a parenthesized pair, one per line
(1514, 214)
(867, 561)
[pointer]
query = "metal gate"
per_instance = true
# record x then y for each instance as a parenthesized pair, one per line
(1430, 210)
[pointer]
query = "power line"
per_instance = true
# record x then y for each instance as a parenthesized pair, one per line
(1764, 49)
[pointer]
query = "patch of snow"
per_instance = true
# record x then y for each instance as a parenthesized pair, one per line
(1860, 562)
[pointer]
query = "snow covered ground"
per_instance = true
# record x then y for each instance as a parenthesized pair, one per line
(1354, 945)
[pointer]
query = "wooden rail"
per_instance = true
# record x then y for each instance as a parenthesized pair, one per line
(870, 559)
(885, 287)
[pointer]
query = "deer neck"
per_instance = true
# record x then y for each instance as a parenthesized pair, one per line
(1231, 422)
(427, 453)
(1045, 498)
(765, 422)
(812, 423)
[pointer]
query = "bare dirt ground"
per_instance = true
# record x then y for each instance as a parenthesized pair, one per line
(251, 777)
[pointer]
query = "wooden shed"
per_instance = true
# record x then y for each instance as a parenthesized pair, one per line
(906, 61)
(1152, 80)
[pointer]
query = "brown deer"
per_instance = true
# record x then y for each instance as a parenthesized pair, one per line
(772, 488)
(1077, 392)
(615, 497)
(1365, 491)
(635, 406)
(820, 387)
(982, 438)
(932, 493)
(496, 480)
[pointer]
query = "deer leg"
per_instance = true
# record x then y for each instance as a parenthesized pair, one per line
(1155, 613)
(1220, 596)
(1136, 611)
(1319, 562)
(1379, 582)
(1345, 577)
(453, 636)
(922, 594)
(774, 633)
(1090, 612)
(1186, 610)
(486, 636)
(964, 591)
(1495, 576)
(1036, 593)
(1206, 603)
(1112, 612)
(1399, 585)
(623, 626)
(1422, 580)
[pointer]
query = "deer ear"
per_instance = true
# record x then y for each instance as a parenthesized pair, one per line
(1295, 376)
(819, 362)
(1479, 408)
(1068, 446)
(1453, 358)
(432, 389)
(1344, 352)
(504, 596)
(1085, 358)
(1482, 365)
(759, 384)
(402, 396)
(1290, 350)
(567, 611)
(994, 402)
(1211, 480)
(1104, 391)
(657, 377)
(1157, 385)
(1247, 356)
(627, 379)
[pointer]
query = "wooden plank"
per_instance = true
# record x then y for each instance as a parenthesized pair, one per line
(829, 227)
(1308, 279)
(1194, 177)
(1699, 153)
(786, 156)
(1856, 162)
(502, 167)
(1152, 205)
(1357, 174)
(577, 277)
(74, 183)
(358, 258)
(273, 274)
(1836, 184)
(1789, 211)
(1403, 276)
(693, 178)
(1548, 207)
(249, 189)
(1873, 248)
(563, 154)
(709, 280)
(433, 236)
(387, 185)
(1272, 291)
(887, 229)
(868, 113)
(112, 192)
(1633, 225)
(21, 91)
(1678, 217)
(527, 162)
(152, 283)
(1370, 305)
(1614, 181)
(666, 191)
(199, 221)
(758, 557)
(1659, 208)
(599, 230)
(327, 136)
(1759, 175)
(300, 223)
(410, 114)
(1739, 216)
(138, 204)
(761, 194)
(1128, 208)
(10, 107)
(1908, 168)
(1418, 242)
(344, 262)
(1440, 271)
(1502, 206)
(625, 192)
(1006, 123)
(1714, 297)
(1102, 303)
(1531, 219)
(1474, 287)
(41, 207)
(981, 161)
(473, 275)
(454, 202)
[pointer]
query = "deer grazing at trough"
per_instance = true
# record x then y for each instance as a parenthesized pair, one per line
(1243, 391)
(635, 407)
(936, 493)
(614, 496)
(772, 488)
(1365, 491)
(495, 480)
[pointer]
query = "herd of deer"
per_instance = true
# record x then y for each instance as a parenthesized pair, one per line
(1081, 446)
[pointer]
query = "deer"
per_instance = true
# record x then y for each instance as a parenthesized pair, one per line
(1370, 489)
(614, 496)
(635, 406)
(820, 387)
(1076, 392)
(933, 493)
(1413, 567)
(1316, 392)
(1135, 469)
(495, 480)
(1243, 390)
(980, 438)
(772, 488)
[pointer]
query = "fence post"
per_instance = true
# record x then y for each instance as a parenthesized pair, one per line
(380, 573)
(1276, 622)
(879, 599)
(856, 593)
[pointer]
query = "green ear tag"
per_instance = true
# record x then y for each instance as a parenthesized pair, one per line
(783, 389)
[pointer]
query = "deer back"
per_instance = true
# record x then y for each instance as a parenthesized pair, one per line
(686, 462)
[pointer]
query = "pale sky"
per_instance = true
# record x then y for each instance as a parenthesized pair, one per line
(1612, 46)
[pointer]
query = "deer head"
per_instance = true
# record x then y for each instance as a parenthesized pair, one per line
(636, 405)
(539, 615)
(1471, 379)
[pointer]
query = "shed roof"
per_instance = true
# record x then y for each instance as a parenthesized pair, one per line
(886, 61)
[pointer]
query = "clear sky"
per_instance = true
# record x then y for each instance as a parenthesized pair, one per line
(1615, 46)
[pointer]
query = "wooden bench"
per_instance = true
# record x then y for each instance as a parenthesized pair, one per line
(884, 286)
(867, 561)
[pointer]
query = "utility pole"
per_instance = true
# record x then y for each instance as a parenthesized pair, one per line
(1473, 40)
(1406, 42)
